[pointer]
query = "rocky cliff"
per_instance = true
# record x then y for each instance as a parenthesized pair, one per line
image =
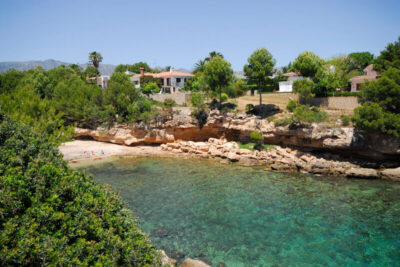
(312, 138)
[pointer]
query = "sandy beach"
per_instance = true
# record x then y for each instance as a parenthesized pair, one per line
(86, 150)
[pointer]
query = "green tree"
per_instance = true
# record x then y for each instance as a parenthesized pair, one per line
(150, 87)
(259, 69)
(199, 66)
(136, 67)
(95, 58)
(389, 58)
(303, 88)
(52, 215)
(380, 110)
(218, 74)
(385, 91)
(122, 68)
(308, 63)
(359, 60)
(10, 80)
(120, 94)
(79, 102)
(212, 55)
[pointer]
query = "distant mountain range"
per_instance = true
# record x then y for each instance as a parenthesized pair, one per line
(105, 69)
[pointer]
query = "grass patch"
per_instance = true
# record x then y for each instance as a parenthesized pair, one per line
(250, 146)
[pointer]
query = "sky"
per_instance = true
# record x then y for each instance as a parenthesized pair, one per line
(179, 33)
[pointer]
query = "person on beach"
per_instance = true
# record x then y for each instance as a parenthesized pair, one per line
(102, 153)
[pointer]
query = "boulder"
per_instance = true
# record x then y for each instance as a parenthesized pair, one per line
(233, 156)
(391, 174)
(214, 152)
(244, 161)
(167, 261)
(193, 263)
(364, 173)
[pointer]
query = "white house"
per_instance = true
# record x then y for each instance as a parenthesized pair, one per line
(287, 86)
(171, 81)
(100, 81)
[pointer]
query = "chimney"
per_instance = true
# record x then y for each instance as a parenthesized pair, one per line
(142, 71)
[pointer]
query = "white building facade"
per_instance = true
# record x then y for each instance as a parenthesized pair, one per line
(171, 81)
(287, 86)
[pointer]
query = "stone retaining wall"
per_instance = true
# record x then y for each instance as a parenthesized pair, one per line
(180, 98)
(337, 102)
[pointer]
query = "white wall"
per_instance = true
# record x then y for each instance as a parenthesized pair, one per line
(285, 86)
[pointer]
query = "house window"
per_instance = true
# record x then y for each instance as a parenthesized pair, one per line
(178, 80)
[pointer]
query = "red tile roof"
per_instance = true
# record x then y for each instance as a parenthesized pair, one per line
(165, 74)
(291, 74)
(362, 78)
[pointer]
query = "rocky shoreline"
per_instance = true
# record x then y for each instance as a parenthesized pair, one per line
(238, 127)
(280, 159)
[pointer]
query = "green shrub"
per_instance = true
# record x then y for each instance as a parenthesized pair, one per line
(256, 136)
(283, 121)
(52, 215)
(150, 88)
(224, 97)
(197, 99)
(345, 121)
(305, 114)
(169, 103)
(249, 107)
(304, 89)
(371, 117)
(292, 105)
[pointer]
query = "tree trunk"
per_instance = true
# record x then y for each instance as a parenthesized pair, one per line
(260, 92)
(252, 92)
(220, 98)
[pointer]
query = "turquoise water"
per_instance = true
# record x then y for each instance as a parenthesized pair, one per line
(249, 217)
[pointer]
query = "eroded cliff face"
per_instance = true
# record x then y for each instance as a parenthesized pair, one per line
(314, 137)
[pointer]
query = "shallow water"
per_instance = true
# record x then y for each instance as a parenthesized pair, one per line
(249, 217)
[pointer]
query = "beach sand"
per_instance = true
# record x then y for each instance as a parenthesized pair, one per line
(75, 150)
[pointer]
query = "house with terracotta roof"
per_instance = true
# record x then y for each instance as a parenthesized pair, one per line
(171, 81)
(287, 86)
(369, 75)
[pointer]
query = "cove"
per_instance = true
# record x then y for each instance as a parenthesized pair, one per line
(243, 216)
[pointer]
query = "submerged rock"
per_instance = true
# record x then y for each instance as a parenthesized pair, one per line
(193, 263)
(160, 232)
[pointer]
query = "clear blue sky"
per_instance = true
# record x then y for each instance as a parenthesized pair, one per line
(179, 33)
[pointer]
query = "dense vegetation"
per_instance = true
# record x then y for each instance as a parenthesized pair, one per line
(380, 110)
(52, 215)
(56, 100)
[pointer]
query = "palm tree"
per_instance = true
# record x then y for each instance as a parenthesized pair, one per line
(199, 66)
(213, 54)
(95, 58)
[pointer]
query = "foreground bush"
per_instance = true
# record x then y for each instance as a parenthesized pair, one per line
(52, 215)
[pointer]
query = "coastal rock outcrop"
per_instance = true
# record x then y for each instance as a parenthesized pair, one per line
(238, 127)
(391, 174)
(276, 158)
(167, 261)
(362, 173)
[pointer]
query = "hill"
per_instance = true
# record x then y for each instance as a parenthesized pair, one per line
(105, 69)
